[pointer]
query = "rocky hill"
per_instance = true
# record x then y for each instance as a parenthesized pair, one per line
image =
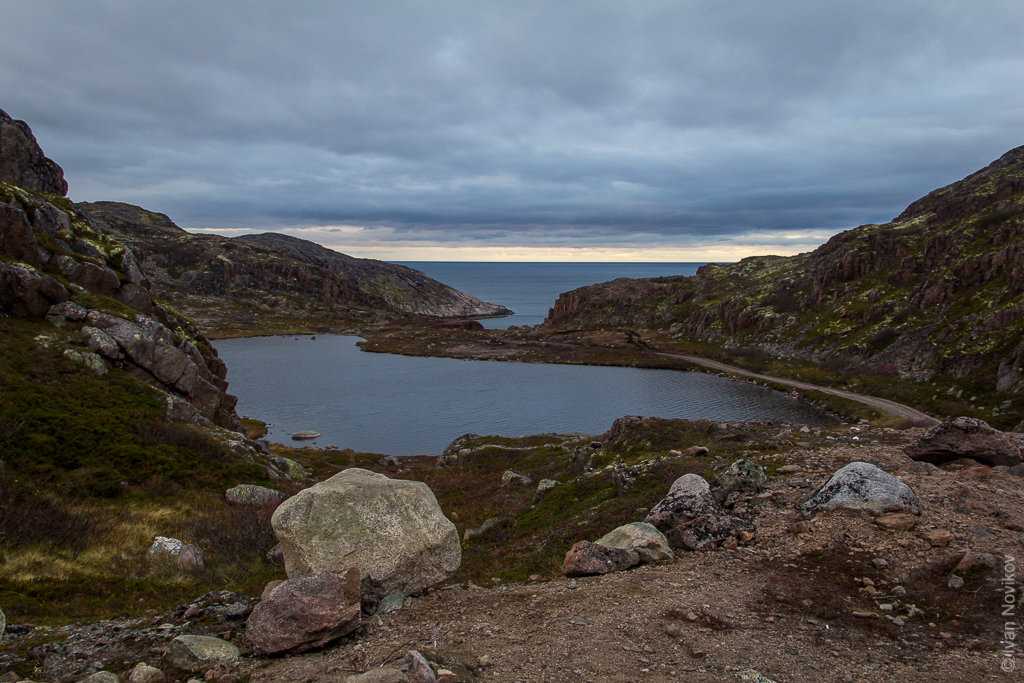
(57, 265)
(274, 282)
(938, 291)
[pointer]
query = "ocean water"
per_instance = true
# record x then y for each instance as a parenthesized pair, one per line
(406, 405)
(530, 289)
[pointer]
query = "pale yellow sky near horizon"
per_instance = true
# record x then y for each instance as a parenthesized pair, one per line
(363, 243)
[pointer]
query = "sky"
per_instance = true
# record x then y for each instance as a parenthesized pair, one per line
(587, 131)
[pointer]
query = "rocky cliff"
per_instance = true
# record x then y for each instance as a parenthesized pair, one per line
(937, 291)
(57, 264)
(22, 161)
(268, 282)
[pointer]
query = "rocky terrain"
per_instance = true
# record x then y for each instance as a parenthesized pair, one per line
(262, 284)
(144, 539)
(938, 292)
(660, 549)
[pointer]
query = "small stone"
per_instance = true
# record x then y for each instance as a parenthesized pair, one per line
(899, 521)
(446, 676)
(251, 494)
(789, 469)
(691, 616)
(673, 629)
(417, 668)
(938, 538)
(144, 673)
(955, 582)
(885, 607)
(101, 677)
(545, 485)
(879, 563)
(200, 653)
(508, 477)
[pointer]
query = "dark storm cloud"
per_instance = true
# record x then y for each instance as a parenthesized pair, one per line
(519, 123)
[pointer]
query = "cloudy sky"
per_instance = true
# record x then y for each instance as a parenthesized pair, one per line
(560, 130)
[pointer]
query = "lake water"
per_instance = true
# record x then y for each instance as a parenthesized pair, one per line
(530, 289)
(404, 405)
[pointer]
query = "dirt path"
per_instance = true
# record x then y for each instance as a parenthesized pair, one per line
(886, 406)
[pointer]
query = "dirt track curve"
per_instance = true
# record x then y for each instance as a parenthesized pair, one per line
(884, 405)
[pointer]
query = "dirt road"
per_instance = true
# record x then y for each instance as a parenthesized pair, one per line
(886, 406)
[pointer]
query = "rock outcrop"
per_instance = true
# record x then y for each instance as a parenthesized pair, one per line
(22, 161)
(272, 281)
(391, 531)
(57, 264)
(305, 613)
(937, 292)
(966, 437)
(862, 486)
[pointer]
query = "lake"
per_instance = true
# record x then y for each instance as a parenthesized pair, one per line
(530, 289)
(403, 405)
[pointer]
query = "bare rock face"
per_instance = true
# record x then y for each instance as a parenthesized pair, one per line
(590, 559)
(22, 161)
(862, 486)
(966, 437)
(690, 517)
(305, 613)
(391, 531)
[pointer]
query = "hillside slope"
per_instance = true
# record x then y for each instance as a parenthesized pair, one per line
(274, 282)
(937, 291)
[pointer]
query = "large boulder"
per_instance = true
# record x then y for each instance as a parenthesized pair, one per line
(589, 559)
(691, 519)
(862, 486)
(391, 530)
(22, 161)
(200, 653)
(305, 613)
(649, 544)
(966, 437)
